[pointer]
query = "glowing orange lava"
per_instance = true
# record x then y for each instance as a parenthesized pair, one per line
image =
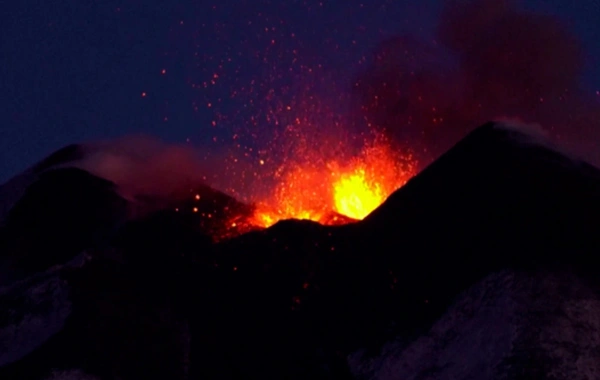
(355, 197)
(302, 194)
(353, 190)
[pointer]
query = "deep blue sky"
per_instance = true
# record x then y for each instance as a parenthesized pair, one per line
(76, 70)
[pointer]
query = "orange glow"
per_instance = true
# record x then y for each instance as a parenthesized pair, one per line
(298, 196)
(353, 190)
(355, 197)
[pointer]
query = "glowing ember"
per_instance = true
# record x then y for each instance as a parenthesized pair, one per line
(352, 190)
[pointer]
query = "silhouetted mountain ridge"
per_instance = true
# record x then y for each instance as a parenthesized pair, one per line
(60, 214)
(481, 266)
(66, 155)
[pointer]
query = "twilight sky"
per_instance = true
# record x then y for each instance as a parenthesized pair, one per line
(219, 74)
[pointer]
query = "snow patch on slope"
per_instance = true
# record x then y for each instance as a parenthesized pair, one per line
(34, 315)
(506, 319)
(33, 310)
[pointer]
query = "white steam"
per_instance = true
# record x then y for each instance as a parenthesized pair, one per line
(141, 165)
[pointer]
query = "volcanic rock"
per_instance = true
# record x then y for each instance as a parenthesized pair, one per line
(479, 267)
(33, 310)
(502, 197)
(60, 214)
(511, 325)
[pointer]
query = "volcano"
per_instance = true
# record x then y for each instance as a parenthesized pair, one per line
(480, 266)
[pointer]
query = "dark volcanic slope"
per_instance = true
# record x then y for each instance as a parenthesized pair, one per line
(63, 212)
(500, 214)
(511, 325)
(499, 199)
(12, 191)
(54, 211)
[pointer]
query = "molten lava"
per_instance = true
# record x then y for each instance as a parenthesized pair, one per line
(352, 190)
(355, 197)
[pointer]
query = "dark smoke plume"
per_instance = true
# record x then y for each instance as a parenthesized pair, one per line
(490, 60)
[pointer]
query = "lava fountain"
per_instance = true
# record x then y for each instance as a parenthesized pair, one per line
(338, 192)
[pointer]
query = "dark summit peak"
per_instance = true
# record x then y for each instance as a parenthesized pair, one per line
(63, 212)
(66, 155)
(497, 163)
(501, 197)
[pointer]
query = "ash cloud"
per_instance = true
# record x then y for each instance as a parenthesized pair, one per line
(490, 60)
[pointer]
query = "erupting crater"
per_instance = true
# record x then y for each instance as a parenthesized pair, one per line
(330, 192)
(337, 193)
